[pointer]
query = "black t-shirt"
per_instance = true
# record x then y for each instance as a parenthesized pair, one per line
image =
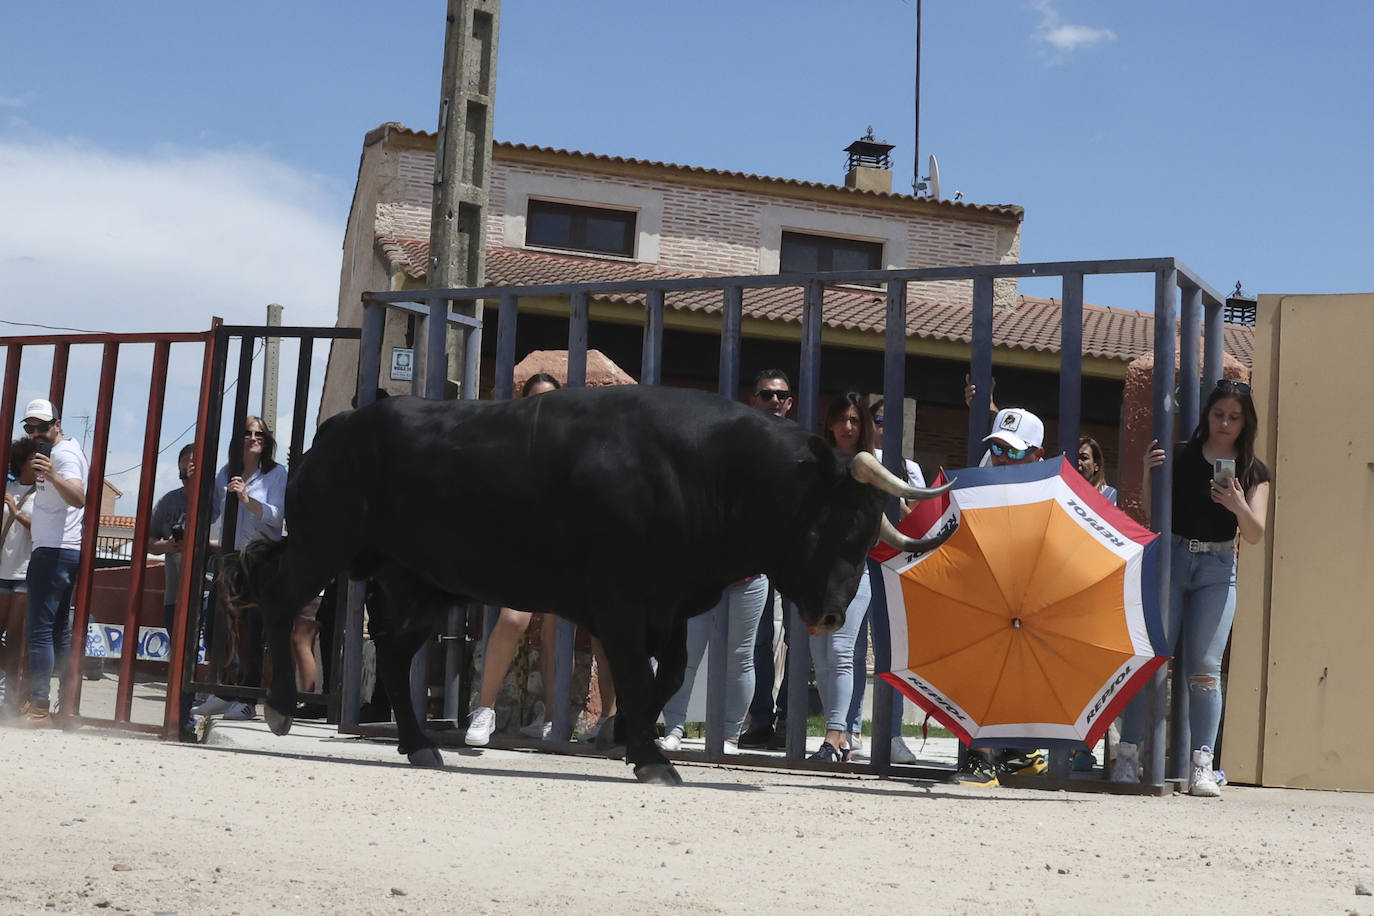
(1195, 515)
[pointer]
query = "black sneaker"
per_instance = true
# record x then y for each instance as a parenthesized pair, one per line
(1022, 763)
(779, 740)
(828, 753)
(976, 771)
(758, 736)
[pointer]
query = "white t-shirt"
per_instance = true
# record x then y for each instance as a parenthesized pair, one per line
(56, 524)
(913, 470)
(14, 553)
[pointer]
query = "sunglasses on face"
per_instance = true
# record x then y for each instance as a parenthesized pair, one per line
(1005, 451)
(255, 434)
(1233, 385)
(31, 428)
(878, 420)
(769, 394)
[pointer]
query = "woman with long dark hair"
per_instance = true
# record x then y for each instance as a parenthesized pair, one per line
(1220, 490)
(849, 427)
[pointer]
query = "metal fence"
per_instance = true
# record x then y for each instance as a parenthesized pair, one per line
(1182, 302)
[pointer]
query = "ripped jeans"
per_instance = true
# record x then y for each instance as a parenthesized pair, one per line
(1202, 605)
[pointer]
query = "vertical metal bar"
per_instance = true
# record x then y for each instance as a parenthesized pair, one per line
(561, 719)
(472, 363)
(798, 681)
(90, 528)
(894, 407)
(1070, 370)
(808, 414)
(302, 402)
(57, 387)
(138, 563)
(370, 353)
(352, 668)
(651, 363)
(505, 347)
(1189, 337)
(452, 646)
(206, 449)
(1161, 490)
(731, 314)
(1213, 346)
(732, 306)
(809, 378)
(577, 340)
(980, 369)
(186, 617)
(14, 355)
(436, 348)
(234, 456)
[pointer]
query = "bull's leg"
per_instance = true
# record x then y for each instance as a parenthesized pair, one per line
(397, 641)
(672, 665)
(279, 708)
(635, 694)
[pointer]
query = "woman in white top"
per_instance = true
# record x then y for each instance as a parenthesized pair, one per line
(260, 488)
(16, 543)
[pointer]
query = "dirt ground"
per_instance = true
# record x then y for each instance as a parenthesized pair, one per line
(319, 823)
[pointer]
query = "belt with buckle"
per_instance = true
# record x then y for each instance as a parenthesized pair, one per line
(1196, 546)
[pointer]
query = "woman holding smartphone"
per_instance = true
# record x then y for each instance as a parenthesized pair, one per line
(1220, 490)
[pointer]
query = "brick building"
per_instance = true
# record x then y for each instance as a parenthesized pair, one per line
(556, 216)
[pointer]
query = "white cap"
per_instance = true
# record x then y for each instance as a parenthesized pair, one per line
(1018, 428)
(40, 409)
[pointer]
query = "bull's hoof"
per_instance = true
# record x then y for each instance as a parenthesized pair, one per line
(279, 723)
(426, 757)
(658, 774)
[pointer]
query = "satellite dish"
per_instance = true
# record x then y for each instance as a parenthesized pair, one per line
(934, 179)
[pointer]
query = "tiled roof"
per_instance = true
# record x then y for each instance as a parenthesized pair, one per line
(118, 521)
(1033, 324)
(1005, 210)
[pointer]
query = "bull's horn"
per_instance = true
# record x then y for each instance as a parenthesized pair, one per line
(893, 538)
(867, 469)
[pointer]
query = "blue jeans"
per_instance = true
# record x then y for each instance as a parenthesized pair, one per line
(877, 605)
(763, 708)
(1202, 604)
(52, 576)
(743, 602)
(832, 655)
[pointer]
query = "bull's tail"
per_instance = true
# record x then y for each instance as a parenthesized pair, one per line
(254, 575)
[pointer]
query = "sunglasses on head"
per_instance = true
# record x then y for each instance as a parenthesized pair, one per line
(254, 434)
(42, 427)
(1233, 385)
(768, 394)
(1004, 451)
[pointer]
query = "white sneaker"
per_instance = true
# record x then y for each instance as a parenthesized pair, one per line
(1203, 780)
(900, 752)
(537, 729)
(856, 743)
(1126, 766)
(731, 748)
(212, 706)
(241, 712)
(670, 742)
(480, 728)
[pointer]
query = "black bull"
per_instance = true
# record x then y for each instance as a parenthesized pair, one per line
(627, 510)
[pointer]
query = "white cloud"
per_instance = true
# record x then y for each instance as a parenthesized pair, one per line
(157, 241)
(1063, 38)
(163, 240)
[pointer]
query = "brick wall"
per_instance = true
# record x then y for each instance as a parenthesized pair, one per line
(722, 231)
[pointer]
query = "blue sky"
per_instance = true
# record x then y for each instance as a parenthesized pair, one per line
(164, 162)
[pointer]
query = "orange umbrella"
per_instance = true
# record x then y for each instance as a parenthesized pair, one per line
(1037, 621)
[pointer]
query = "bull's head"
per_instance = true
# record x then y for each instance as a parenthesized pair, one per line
(822, 571)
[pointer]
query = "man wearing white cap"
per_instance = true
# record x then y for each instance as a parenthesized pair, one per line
(1018, 437)
(57, 512)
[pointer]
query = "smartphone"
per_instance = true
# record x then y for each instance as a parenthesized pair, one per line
(1223, 472)
(43, 447)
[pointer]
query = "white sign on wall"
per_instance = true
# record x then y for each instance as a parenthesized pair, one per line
(402, 364)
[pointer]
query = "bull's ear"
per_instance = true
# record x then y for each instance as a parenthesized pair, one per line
(826, 456)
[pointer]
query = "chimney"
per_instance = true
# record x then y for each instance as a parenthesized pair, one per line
(869, 167)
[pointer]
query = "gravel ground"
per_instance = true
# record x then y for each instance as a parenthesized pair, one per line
(315, 822)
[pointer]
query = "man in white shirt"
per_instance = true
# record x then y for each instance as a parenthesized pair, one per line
(59, 506)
